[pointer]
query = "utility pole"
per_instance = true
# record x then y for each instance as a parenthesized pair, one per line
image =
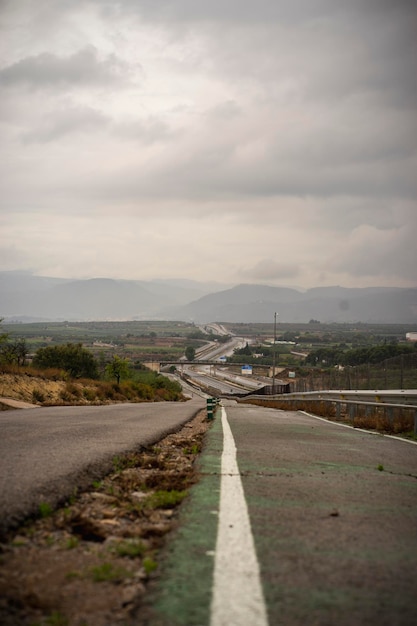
(273, 354)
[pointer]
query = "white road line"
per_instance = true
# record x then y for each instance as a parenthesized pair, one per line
(359, 430)
(237, 592)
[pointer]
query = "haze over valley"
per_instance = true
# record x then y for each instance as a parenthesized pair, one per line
(24, 297)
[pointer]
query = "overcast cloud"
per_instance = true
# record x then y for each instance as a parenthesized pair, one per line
(239, 141)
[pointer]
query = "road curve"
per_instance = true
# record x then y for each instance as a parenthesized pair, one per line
(45, 453)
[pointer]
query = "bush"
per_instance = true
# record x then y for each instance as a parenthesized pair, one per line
(38, 396)
(73, 390)
(72, 358)
(89, 394)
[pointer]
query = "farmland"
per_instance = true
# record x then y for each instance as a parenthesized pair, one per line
(137, 341)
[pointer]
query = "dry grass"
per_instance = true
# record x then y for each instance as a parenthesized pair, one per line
(401, 421)
(52, 387)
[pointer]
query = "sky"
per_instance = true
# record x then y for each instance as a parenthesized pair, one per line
(238, 141)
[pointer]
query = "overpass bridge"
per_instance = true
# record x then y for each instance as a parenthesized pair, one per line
(262, 370)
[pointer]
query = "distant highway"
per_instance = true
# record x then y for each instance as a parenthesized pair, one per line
(211, 376)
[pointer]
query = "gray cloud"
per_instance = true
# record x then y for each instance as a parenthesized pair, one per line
(270, 270)
(69, 120)
(380, 253)
(147, 131)
(50, 70)
(256, 122)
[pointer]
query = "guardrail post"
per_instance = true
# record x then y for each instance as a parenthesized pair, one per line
(210, 408)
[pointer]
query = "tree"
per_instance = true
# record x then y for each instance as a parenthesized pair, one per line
(72, 358)
(190, 353)
(14, 352)
(3, 342)
(3, 336)
(117, 368)
(244, 351)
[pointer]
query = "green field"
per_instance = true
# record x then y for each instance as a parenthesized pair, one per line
(136, 340)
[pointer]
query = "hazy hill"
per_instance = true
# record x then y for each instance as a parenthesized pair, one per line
(256, 303)
(27, 297)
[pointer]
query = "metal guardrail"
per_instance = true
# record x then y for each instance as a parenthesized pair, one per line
(401, 396)
(387, 402)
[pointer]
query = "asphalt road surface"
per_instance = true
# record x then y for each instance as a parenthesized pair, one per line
(333, 514)
(45, 453)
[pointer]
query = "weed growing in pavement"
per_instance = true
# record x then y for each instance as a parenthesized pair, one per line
(73, 497)
(193, 450)
(149, 565)
(162, 499)
(45, 509)
(117, 464)
(107, 572)
(124, 462)
(71, 543)
(130, 548)
(54, 619)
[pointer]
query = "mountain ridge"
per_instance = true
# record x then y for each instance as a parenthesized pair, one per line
(25, 297)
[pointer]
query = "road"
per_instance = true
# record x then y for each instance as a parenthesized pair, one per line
(46, 452)
(295, 520)
(333, 513)
(210, 376)
(214, 350)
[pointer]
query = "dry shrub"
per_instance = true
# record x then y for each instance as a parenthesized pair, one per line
(328, 409)
(129, 391)
(10, 368)
(73, 390)
(90, 394)
(402, 422)
(51, 373)
(109, 391)
(38, 396)
(145, 392)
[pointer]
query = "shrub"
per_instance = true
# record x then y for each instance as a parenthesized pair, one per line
(38, 396)
(73, 390)
(89, 394)
(72, 358)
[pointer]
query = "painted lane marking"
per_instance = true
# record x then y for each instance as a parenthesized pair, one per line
(359, 430)
(237, 592)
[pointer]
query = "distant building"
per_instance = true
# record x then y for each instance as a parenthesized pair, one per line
(411, 336)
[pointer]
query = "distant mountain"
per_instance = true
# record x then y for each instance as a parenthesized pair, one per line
(257, 303)
(27, 298)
